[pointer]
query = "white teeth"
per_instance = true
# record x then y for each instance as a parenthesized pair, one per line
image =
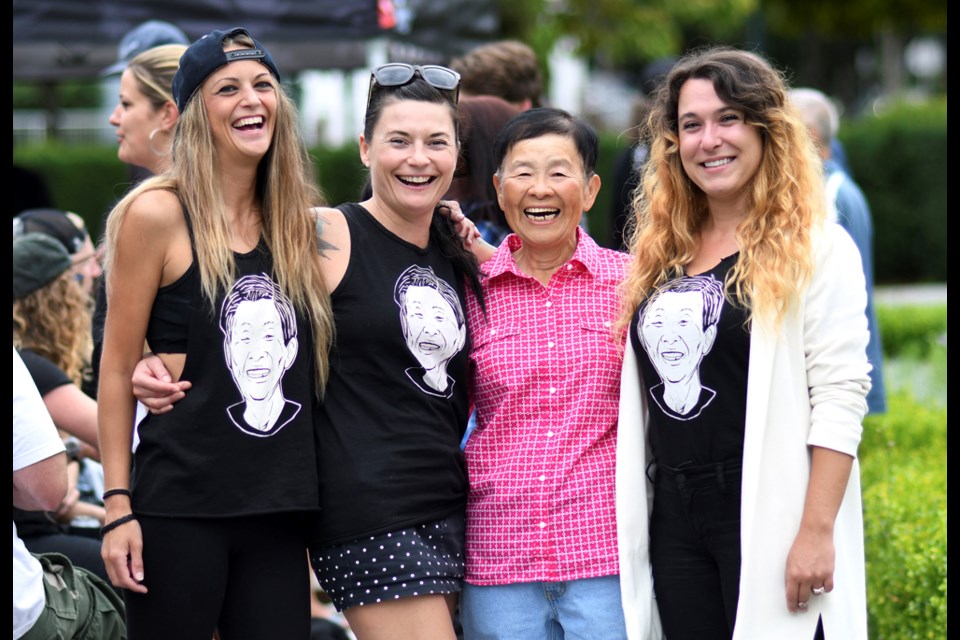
(416, 179)
(717, 163)
(246, 122)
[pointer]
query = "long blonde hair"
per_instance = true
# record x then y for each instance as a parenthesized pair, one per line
(54, 322)
(287, 190)
(785, 203)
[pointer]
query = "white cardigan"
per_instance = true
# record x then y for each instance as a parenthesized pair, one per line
(806, 387)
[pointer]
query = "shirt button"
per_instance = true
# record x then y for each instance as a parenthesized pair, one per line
(607, 324)
(549, 434)
(542, 478)
(542, 525)
(548, 304)
(551, 344)
(569, 267)
(492, 331)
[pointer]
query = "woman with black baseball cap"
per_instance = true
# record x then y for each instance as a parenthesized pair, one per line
(214, 264)
(387, 545)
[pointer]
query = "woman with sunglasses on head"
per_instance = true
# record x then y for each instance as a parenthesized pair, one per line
(214, 263)
(388, 544)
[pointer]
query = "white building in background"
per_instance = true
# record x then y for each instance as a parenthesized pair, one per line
(332, 102)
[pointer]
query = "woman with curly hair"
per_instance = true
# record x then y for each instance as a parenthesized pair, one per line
(745, 377)
(51, 323)
(51, 332)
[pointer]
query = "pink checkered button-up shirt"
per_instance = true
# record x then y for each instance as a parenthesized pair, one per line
(545, 381)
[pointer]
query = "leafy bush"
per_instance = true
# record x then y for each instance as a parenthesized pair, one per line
(899, 159)
(911, 331)
(904, 477)
(87, 180)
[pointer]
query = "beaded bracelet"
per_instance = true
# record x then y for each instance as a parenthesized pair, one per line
(107, 528)
(116, 492)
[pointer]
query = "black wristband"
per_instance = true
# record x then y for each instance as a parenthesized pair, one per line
(116, 492)
(107, 528)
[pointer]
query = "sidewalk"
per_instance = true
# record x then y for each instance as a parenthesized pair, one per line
(910, 294)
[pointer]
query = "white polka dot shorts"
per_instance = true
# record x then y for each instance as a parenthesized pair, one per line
(425, 559)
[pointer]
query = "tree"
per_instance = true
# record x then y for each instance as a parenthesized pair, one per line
(621, 32)
(887, 23)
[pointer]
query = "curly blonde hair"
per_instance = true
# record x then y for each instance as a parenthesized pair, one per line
(54, 322)
(287, 191)
(786, 201)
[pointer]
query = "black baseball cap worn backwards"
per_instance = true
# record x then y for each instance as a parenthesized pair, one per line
(206, 55)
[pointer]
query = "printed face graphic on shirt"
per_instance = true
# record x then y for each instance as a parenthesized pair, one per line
(677, 328)
(434, 327)
(260, 344)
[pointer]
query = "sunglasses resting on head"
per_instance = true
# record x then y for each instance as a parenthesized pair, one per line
(397, 74)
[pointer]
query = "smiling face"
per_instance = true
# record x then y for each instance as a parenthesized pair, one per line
(720, 151)
(241, 103)
(432, 332)
(135, 118)
(411, 153)
(543, 191)
(256, 351)
(673, 335)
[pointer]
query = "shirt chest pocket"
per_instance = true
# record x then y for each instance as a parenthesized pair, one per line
(500, 353)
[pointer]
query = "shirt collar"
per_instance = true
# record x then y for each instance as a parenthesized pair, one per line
(585, 256)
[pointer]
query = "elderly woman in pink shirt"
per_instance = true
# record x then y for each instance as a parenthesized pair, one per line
(541, 539)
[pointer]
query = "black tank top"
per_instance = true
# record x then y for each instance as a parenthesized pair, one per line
(396, 404)
(241, 441)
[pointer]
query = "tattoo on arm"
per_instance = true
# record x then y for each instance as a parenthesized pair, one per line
(322, 245)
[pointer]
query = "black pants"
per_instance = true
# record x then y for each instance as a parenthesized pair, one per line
(695, 550)
(248, 577)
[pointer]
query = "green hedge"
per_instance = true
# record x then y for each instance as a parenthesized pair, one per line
(899, 159)
(903, 460)
(911, 331)
(85, 179)
(90, 179)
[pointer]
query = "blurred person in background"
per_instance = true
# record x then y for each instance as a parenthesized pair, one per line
(145, 118)
(847, 205)
(52, 598)
(627, 168)
(145, 36)
(69, 229)
(507, 69)
(481, 119)
(51, 331)
(146, 115)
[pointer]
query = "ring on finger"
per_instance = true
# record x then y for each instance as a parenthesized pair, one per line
(818, 591)
(802, 605)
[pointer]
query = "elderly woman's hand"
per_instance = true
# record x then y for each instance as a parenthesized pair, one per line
(465, 227)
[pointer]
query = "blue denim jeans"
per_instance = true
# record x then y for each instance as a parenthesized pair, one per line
(574, 610)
